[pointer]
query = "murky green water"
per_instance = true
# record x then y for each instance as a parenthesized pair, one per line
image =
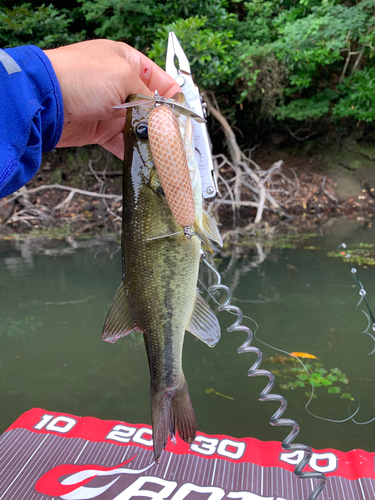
(53, 303)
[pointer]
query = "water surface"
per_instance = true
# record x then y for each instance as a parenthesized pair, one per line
(53, 302)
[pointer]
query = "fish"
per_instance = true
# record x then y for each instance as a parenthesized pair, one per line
(158, 294)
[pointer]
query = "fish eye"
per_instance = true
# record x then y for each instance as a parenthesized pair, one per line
(160, 191)
(142, 130)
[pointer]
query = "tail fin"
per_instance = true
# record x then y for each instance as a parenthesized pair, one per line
(182, 415)
(172, 411)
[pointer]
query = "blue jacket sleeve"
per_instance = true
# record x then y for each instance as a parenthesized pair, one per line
(31, 114)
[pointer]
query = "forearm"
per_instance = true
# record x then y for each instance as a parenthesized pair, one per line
(31, 117)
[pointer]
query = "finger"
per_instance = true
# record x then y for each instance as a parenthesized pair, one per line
(132, 83)
(153, 77)
(115, 146)
(107, 129)
(156, 78)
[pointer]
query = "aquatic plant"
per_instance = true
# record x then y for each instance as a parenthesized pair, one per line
(247, 238)
(362, 255)
(331, 378)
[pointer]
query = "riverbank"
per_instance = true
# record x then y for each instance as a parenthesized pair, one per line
(78, 192)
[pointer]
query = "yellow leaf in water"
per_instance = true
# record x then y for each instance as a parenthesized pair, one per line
(303, 355)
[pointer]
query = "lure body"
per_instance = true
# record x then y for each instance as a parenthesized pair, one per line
(171, 164)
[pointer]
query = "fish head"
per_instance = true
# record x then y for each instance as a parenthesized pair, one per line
(137, 148)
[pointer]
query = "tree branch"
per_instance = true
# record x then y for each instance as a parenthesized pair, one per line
(24, 192)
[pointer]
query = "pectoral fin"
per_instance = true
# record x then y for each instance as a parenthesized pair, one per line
(119, 321)
(203, 323)
(208, 233)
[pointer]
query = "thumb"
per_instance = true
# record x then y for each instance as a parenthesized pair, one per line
(155, 78)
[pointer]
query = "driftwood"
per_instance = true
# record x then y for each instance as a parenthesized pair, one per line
(241, 181)
(246, 173)
(45, 215)
(72, 190)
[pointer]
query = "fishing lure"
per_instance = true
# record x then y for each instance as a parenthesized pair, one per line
(171, 164)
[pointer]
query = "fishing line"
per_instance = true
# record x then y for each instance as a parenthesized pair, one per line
(367, 332)
(164, 236)
(368, 421)
(369, 315)
(300, 361)
(362, 291)
(311, 383)
(370, 318)
(265, 395)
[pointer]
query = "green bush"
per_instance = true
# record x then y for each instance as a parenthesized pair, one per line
(210, 52)
(137, 22)
(44, 26)
(311, 41)
(357, 96)
(302, 60)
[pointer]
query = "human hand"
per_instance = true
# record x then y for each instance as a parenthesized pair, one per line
(95, 75)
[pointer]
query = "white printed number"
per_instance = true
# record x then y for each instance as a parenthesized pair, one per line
(124, 434)
(226, 447)
(320, 462)
(58, 424)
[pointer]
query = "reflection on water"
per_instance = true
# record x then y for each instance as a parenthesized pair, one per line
(54, 300)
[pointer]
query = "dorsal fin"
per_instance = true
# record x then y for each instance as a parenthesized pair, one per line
(119, 321)
(203, 322)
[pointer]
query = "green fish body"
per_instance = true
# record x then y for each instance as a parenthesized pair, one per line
(158, 293)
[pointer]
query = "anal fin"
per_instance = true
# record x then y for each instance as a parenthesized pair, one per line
(119, 321)
(203, 322)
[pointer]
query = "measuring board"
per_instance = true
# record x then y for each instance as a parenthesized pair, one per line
(47, 455)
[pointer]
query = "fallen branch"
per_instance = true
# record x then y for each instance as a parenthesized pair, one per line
(18, 194)
(328, 194)
(240, 203)
(246, 172)
(110, 173)
(262, 200)
(234, 150)
(295, 136)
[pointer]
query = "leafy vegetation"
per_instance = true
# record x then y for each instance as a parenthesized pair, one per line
(332, 379)
(266, 60)
(363, 255)
(42, 25)
(292, 241)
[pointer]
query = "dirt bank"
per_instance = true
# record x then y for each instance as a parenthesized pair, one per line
(86, 197)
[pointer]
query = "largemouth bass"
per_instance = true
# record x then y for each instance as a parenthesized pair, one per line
(158, 292)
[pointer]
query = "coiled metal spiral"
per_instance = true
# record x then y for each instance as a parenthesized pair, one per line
(362, 291)
(265, 395)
